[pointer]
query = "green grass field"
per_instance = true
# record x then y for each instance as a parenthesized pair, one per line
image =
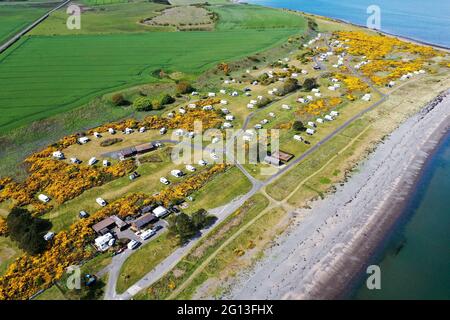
(13, 18)
(101, 19)
(220, 191)
(144, 260)
(42, 76)
(256, 17)
(8, 253)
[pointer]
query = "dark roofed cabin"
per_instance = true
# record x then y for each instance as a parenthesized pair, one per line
(104, 226)
(127, 153)
(144, 148)
(143, 221)
(122, 225)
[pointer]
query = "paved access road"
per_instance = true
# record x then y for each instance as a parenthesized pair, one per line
(15, 38)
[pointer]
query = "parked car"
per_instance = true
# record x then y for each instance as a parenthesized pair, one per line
(101, 202)
(134, 175)
(133, 244)
(43, 198)
(202, 163)
(75, 160)
(164, 181)
(190, 168)
(83, 214)
(176, 173)
(92, 161)
(157, 228)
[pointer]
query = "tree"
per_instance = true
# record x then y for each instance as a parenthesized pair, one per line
(298, 126)
(186, 227)
(27, 230)
(263, 102)
(184, 87)
(288, 86)
(183, 227)
(309, 84)
(201, 219)
(167, 99)
(142, 104)
(118, 100)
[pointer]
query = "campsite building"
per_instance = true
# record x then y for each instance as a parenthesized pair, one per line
(282, 156)
(105, 226)
(143, 221)
(144, 148)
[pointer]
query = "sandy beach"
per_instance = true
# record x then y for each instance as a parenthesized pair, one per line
(328, 246)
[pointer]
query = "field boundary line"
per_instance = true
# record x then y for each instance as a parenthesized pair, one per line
(30, 27)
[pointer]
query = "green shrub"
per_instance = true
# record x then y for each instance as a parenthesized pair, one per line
(118, 99)
(184, 87)
(167, 99)
(298, 126)
(27, 231)
(309, 84)
(157, 104)
(142, 104)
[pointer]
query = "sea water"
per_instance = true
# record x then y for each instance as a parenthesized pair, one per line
(427, 21)
(415, 261)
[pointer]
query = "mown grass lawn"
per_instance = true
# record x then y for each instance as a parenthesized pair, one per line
(60, 73)
(8, 252)
(220, 191)
(144, 260)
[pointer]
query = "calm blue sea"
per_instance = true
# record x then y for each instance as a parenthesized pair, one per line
(427, 21)
(415, 263)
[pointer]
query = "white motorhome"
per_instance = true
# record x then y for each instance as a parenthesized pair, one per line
(160, 211)
(43, 198)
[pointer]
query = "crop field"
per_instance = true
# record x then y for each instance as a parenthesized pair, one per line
(72, 70)
(101, 19)
(256, 17)
(13, 18)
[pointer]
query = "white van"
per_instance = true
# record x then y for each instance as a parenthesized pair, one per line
(133, 244)
(43, 198)
(176, 173)
(190, 168)
(147, 234)
(101, 202)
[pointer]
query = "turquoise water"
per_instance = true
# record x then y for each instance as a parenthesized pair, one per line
(427, 21)
(415, 263)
